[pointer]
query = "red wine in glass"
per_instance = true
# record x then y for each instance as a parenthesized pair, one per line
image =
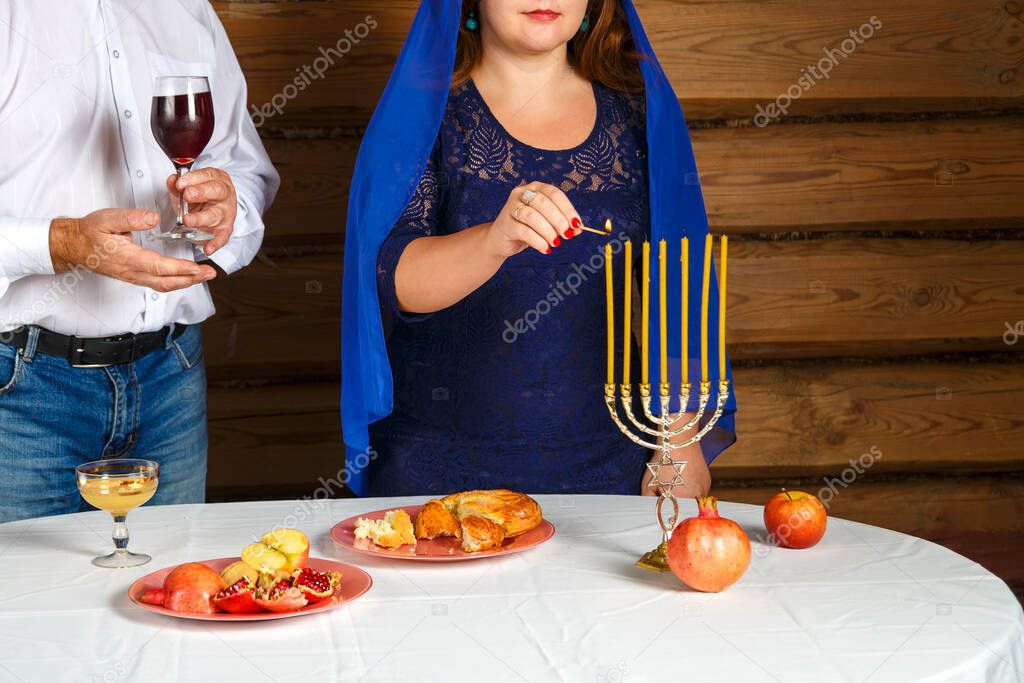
(182, 122)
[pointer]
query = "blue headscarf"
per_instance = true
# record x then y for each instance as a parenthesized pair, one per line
(392, 157)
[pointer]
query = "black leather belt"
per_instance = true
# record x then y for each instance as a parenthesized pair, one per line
(101, 352)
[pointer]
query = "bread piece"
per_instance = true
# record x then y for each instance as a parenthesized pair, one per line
(435, 520)
(394, 530)
(515, 512)
(480, 534)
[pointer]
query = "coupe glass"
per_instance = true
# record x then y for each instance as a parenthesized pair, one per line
(182, 123)
(117, 486)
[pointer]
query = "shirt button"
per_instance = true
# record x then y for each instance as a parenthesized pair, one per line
(139, 173)
(127, 114)
(116, 54)
(154, 296)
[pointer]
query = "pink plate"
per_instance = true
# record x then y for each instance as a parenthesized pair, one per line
(354, 582)
(436, 550)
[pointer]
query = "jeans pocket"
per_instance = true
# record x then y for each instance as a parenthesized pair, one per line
(189, 348)
(11, 366)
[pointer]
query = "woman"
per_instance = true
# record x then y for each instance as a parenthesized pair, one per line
(474, 179)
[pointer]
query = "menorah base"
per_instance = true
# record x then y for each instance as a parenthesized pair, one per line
(656, 560)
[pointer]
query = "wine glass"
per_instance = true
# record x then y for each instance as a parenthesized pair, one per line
(182, 123)
(117, 486)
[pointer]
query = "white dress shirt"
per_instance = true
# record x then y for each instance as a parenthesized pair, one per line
(76, 82)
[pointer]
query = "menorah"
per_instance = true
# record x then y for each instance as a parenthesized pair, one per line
(665, 432)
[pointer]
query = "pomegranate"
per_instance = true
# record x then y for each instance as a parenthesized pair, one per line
(282, 597)
(188, 588)
(708, 553)
(316, 586)
(238, 598)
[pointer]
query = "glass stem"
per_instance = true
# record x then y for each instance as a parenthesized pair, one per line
(182, 206)
(120, 535)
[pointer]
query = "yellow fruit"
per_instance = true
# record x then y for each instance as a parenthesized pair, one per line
(263, 558)
(292, 543)
(236, 570)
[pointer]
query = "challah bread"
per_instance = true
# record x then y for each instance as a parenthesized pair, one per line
(393, 530)
(481, 519)
(435, 520)
(480, 534)
(514, 512)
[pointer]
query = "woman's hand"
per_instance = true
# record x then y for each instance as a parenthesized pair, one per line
(437, 271)
(696, 475)
(548, 218)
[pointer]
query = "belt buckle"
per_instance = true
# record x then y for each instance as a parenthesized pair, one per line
(78, 349)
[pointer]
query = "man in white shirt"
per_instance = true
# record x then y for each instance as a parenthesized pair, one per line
(100, 349)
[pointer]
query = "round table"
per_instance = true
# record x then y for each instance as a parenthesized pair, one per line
(865, 604)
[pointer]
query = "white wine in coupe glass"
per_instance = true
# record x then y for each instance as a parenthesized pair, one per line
(118, 486)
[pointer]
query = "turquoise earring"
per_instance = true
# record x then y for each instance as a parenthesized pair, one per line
(471, 23)
(586, 22)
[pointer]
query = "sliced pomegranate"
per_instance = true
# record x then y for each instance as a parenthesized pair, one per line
(238, 598)
(282, 597)
(316, 586)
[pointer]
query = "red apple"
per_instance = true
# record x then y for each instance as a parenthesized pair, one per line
(795, 519)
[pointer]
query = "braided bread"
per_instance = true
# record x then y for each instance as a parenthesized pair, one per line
(482, 519)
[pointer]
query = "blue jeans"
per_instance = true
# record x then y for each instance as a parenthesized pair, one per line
(54, 417)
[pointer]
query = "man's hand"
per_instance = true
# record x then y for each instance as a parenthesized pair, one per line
(102, 243)
(212, 203)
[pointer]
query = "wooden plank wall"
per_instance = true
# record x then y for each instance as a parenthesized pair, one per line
(878, 255)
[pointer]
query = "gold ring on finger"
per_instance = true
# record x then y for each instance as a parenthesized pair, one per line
(515, 211)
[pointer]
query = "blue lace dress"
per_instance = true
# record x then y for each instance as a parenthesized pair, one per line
(505, 388)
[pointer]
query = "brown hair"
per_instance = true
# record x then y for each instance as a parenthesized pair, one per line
(604, 52)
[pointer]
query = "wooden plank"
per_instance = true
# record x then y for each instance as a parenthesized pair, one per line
(278, 318)
(828, 420)
(276, 40)
(848, 291)
(723, 58)
(281, 437)
(930, 507)
(923, 175)
(311, 204)
(919, 175)
(837, 419)
(829, 297)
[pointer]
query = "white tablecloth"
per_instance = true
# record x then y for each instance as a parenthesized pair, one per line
(866, 604)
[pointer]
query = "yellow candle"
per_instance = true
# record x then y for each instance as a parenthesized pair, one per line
(627, 314)
(684, 353)
(645, 315)
(721, 307)
(610, 304)
(704, 310)
(662, 311)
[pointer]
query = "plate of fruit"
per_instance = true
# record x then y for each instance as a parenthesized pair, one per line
(462, 526)
(273, 579)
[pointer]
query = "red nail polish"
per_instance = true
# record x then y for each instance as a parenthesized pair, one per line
(576, 222)
(557, 241)
(548, 251)
(570, 233)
